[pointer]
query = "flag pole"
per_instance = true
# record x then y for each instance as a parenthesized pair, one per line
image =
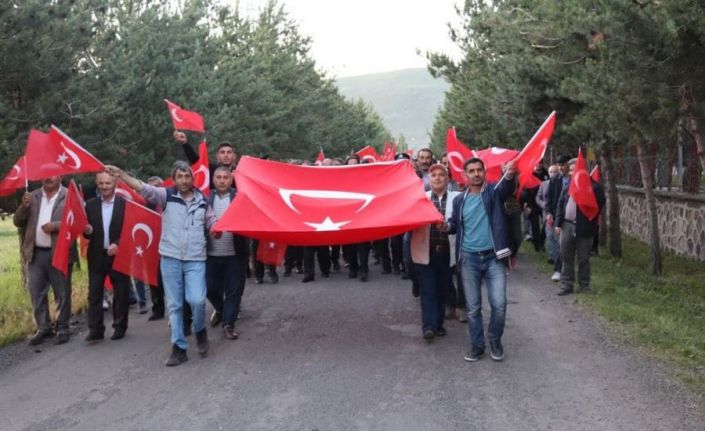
(26, 180)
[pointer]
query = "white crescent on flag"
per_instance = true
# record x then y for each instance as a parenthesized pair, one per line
(146, 229)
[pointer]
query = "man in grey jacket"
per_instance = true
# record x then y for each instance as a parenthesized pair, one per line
(186, 222)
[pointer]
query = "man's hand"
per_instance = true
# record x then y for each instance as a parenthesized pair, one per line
(509, 167)
(558, 231)
(112, 250)
(442, 227)
(114, 171)
(88, 230)
(180, 137)
(549, 219)
(26, 199)
(49, 227)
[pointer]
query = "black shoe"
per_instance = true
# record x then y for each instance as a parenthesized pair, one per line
(216, 318)
(61, 338)
(396, 271)
(405, 275)
(496, 350)
(474, 354)
(441, 332)
(39, 337)
(428, 335)
(336, 265)
(94, 338)
(156, 316)
(118, 334)
(307, 278)
(325, 274)
(287, 272)
(415, 291)
(178, 356)
(565, 291)
(364, 276)
(386, 271)
(273, 277)
(352, 274)
(202, 342)
(299, 270)
(258, 280)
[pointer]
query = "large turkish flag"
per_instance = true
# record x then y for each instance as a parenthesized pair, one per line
(457, 154)
(16, 178)
(138, 250)
(533, 152)
(310, 205)
(581, 189)
(73, 222)
(55, 153)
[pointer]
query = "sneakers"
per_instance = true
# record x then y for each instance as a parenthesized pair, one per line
(428, 334)
(474, 354)
(556, 276)
(216, 318)
(61, 338)
(496, 350)
(441, 332)
(178, 356)
(39, 337)
(273, 277)
(307, 278)
(229, 333)
(93, 337)
(202, 342)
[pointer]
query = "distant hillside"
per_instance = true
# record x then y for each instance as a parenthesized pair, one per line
(407, 100)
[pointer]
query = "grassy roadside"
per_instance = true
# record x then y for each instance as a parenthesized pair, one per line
(663, 316)
(15, 311)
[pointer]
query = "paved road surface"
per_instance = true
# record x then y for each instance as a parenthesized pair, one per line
(342, 355)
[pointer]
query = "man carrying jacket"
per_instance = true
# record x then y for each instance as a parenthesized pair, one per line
(482, 247)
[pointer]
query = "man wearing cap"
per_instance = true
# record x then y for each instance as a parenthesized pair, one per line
(432, 251)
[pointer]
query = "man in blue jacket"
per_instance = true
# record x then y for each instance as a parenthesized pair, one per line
(482, 249)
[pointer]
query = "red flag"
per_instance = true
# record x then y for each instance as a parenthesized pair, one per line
(310, 205)
(201, 171)
(185, 120)
(127, 192)
(390, 151)
(457, 154)
(15, 179)
(138, 250)
(533, 152)
(368, 153)
(596, 174)
(320, 158)
(581, 189)
(494, 158)
(271, 253)
(55, 153)
(73, 222)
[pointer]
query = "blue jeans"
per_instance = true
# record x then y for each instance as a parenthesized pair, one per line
(552, 242)
(141, 294)
(184, 279)
(225, 278)
(434, 279)
(473, 269)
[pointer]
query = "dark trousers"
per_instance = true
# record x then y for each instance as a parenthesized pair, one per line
(456, 294)
(293, 258)
(323, 253)
(40, 275)
(537, 236)
(358, 256)
(395, 244)
(334, 253)
(434, 279)
(382, 249)
(121, 297)
(156, 293)
(225, 282)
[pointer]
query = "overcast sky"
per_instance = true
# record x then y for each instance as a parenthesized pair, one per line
(356, 37)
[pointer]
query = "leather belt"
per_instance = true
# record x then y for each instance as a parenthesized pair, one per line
(483, 253)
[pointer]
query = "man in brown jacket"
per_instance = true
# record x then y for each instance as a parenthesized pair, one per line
(39, 218)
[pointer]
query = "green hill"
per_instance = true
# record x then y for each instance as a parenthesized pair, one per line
(407, 100)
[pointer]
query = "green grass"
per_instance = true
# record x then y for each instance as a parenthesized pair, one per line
(663, 316)
(15, 310)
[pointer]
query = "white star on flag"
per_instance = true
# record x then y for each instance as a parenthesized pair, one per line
(139, 251)
(327, 225)
(272, 245)
(62, 158)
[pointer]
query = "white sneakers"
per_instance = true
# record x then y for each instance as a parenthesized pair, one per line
(556, 276)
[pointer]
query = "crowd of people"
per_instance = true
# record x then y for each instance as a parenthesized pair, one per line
(446, 262)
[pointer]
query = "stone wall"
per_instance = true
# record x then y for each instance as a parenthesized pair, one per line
(681, 219)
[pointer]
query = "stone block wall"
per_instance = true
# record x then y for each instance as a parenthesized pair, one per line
(681, 219)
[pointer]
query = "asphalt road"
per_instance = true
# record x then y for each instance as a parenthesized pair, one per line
(343, 355)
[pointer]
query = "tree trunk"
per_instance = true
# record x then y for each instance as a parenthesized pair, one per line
(647, 180)
(694, 129)
(612, 219)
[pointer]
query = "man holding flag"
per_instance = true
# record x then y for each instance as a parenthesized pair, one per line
(39, 220)
(577, 223)
(105, 213)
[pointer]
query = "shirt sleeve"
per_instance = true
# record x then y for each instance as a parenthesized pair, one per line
(154, 195)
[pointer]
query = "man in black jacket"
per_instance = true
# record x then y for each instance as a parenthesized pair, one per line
(576, 233)
(105, 217)
(555, 187)
(225, 155)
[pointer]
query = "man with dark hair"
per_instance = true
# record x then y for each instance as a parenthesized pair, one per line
(482, 247)
(186, 222)
(225, 155)
(555, 188)
(424, 160)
